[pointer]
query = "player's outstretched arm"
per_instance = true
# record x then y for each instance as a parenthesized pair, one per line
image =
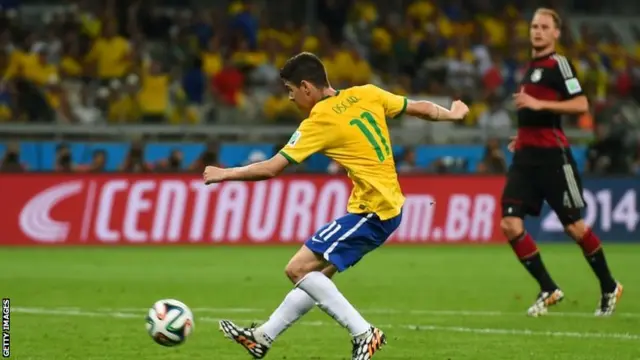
(262, 170)
(427, 110)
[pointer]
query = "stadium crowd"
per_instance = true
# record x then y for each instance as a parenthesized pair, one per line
(124, 62)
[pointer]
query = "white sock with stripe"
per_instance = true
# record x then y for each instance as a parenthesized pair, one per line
(293, 307)
(331, 301)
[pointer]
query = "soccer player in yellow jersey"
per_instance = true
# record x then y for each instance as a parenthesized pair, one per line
(348, 126)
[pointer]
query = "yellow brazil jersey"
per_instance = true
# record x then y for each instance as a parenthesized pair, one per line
(496, 30)
(522, 29)
(421, 10)
(280, 60)
(15, 67)
(286, 39)
(310, 43)
(381, 39)
(5, 113)
(90, 25)
(351, 129)
(71, 67)
(361, 72)
(344, 64)
(110, 56)
(153, 97)
(445, 27)
(27, 65)
(249, 58)
(123, 109)
(331, 67)
(211, 63)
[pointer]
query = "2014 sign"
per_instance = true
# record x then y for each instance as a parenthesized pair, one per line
(603, 211)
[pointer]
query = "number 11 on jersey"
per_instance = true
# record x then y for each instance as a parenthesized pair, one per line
(370, 137)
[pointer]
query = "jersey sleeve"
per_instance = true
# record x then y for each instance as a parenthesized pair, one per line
(569, 84)
(311, 137)
(394, 105)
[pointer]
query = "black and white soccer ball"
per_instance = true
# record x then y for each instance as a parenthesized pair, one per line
(169, 322)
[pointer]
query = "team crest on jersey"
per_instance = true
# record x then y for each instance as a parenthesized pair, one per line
(294, 138)
(536, 75)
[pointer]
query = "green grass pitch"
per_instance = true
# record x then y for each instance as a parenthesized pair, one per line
(444, 303)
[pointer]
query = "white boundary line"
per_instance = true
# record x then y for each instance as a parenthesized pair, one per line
(426, 327)
(469, 313)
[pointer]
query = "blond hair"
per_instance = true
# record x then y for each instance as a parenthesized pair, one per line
(550, 12)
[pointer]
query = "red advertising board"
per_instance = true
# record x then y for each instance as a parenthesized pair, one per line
(41, 209)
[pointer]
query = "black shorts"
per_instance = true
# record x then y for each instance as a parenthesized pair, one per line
(528, 186)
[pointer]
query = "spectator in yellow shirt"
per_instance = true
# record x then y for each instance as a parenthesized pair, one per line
(70, 63)
(382, 44)
(308, 41)
(517, 24)
(37, 83)
(153, 97)
(6, 98)
(265, 34)
(420, 10)
(123, 107)
(47, 77)
(440, 24)
(244, 57)
(344, 62)
(381, 40)
(330, 64)
(288, 36)
(365, 11)
(211, 58)
(596, 84)
(278, 107)
(23, 63)
(89, 22)
(111, 55)
(182, 113)
(360, 73)
(496, 28)
(476, 109)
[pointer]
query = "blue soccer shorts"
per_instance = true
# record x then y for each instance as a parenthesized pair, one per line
(348, 239)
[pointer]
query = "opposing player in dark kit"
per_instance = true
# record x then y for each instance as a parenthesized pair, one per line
(544, 168)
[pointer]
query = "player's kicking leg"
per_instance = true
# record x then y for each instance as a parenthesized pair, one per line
(337, 246)
(258, 340)
(521, 197)
(312, 288)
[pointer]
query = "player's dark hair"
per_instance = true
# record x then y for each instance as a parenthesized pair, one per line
(305, 66)
(554, 15)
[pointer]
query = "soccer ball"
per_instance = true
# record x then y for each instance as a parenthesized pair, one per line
(169, 322)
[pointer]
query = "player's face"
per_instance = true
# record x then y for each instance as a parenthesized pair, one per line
(543, 31)
(301, 95)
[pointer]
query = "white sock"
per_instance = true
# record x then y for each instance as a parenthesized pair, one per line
(293, 307)
(331, 301)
